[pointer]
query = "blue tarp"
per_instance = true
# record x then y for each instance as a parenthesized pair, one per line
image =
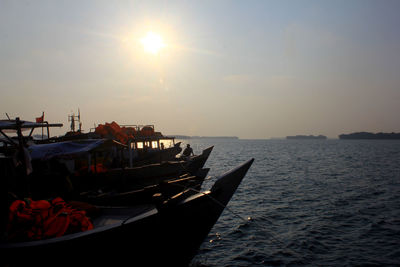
(65, 149)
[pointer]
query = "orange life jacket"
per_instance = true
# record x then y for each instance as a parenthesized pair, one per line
(36, 220)
(113, 131)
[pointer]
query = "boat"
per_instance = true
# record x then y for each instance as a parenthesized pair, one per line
(145, 145)
(101, 184)
(90, 169)
(88, 165)
(164, 234)
(18, 125)
(196, 161)
(189, 184)
(152, 173)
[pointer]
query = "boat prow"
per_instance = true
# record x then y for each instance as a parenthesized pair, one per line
(206, 152)
(197, 162)
(226, 186)
(205, 209)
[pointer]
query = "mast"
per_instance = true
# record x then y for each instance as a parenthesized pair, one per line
(72, 118)
(79, 120)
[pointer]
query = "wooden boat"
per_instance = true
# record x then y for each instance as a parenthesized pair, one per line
(91, 167)
(197, 161)
(154, 173)
(167, 234)
(7, 126)
(51, 178)
(164, 190)
(145, 145)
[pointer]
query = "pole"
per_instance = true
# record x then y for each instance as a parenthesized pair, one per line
(21, 148)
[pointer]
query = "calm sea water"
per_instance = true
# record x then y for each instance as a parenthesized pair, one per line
(306, 203)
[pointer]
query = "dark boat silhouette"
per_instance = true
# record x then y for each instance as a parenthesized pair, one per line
(167, 234)
(108, 179)
(165, 189)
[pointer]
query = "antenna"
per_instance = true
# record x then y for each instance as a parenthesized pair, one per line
(79, 120)
(72, 118)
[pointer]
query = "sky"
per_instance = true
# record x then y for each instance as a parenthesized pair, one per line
(252, 69)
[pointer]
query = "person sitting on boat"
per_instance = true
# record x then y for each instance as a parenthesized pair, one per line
(187, 152)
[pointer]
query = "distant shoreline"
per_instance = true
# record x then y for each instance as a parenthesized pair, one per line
(306, 137)
(204, 137)
(351, 136)
(371, 136)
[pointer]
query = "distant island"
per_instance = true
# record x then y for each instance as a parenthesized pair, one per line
(204, 137)
(367, 135)
(306, 137)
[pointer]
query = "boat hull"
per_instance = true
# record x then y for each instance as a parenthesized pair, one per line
(167, 235)
(165, 190)
(124, 179)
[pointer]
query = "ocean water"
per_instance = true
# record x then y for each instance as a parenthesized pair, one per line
(306, 203)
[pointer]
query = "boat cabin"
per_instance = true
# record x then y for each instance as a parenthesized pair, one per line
(147, 138)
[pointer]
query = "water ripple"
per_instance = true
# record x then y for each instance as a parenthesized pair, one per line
(313, 203)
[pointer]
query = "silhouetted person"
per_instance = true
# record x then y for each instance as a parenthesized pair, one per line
(188, 151)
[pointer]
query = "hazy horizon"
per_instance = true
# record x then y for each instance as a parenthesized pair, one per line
(252, 69)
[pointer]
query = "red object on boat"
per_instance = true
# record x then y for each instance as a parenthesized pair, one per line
(41, 219)
(40, 119)
(114, 131)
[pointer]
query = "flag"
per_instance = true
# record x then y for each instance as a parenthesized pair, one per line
(40, 119)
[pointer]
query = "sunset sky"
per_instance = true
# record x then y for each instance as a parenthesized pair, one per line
(252, 69)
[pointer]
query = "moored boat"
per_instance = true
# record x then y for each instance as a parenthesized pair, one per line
(150, 235)
(70, 167)
(164, 190)
(88, 165)
(13, 126)
(145, 145)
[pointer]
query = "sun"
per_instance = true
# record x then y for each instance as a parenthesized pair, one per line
(152, 43)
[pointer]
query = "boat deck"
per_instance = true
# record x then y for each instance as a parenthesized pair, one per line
(118, 215)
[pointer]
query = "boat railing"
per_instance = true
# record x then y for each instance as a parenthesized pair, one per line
(18, 125)
(138, 128)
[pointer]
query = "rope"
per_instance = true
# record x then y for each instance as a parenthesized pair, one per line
(245, 220)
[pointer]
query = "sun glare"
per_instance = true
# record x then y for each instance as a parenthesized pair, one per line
(152, 43)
